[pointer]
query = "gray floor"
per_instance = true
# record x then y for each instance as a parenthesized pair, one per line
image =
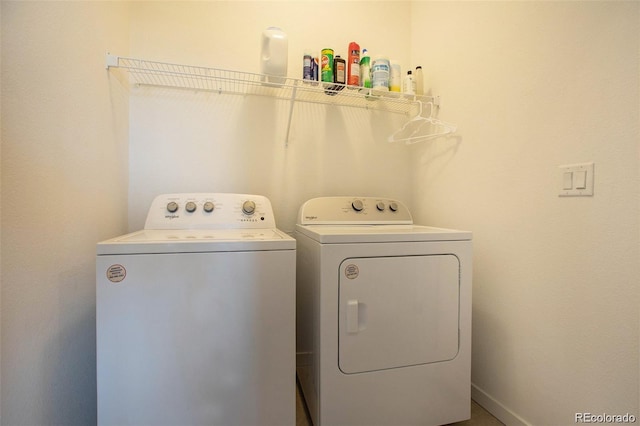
(479, 416)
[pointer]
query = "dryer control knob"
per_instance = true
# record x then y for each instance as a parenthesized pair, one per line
(191, 207)
(248, 207)
(208, 207)
(380, 206)
(172, 207)
(393, 207)
(357, 205)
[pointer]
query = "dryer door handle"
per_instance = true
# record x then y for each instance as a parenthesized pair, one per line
(352, 316)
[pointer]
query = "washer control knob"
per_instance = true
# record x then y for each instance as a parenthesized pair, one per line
(190, 207)
(393, 207)
(357, 205)
(380, 206)
(248, 207)
(208, 207)
(172, 207)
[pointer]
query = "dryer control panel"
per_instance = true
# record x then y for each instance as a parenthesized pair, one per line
(210, 211)
(354, 211)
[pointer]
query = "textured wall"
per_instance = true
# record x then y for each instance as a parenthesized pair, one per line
(64, 187)
(535, 85)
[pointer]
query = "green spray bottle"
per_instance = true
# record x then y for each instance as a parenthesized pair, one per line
(365, 69)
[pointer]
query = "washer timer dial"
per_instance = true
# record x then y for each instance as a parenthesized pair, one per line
(357, 205)
(172, 207)
(248, 207)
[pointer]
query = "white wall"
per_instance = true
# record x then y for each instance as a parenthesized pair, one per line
(534, 85)
(0, 227)
(64, 187)
(185, 141)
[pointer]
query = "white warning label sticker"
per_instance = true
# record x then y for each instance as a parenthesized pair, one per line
(351, 271)
(116, 273)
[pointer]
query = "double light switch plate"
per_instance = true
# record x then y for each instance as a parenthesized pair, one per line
(576, 180)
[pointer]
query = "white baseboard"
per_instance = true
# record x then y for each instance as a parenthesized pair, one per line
(493, 406)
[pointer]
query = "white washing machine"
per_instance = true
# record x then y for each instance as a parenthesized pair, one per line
(195, 316)
(383, 315)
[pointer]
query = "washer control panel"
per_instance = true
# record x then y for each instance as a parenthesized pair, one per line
(354, 210)
(210, 211)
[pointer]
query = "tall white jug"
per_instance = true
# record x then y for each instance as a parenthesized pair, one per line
(274, 56)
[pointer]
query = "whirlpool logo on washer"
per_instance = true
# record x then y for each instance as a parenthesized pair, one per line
(351, 271)
(116, 273)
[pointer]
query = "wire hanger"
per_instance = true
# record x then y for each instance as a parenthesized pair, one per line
(422, 128)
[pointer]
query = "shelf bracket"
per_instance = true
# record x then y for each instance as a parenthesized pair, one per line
(111, 61)
(291, 105)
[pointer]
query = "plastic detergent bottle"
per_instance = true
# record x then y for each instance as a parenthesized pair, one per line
(274, 55)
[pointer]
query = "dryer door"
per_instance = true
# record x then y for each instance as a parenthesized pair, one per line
(397, 311)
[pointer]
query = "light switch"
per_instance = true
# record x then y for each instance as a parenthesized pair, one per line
(567, 180)
(576, 180)
(580, 179)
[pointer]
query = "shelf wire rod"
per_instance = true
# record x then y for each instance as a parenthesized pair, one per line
(291, 105)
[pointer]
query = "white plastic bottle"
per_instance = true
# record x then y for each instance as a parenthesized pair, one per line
(380, 73)
(419, 79)
(274, 56)
(395, 77)
(408, 84)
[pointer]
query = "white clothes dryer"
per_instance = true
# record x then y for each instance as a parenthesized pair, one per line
(195, 316)
(383, 315)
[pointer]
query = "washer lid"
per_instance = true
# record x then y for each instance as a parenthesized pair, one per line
(336, 234)
(196, 241)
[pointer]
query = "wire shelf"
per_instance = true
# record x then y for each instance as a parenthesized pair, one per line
(144, 72)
